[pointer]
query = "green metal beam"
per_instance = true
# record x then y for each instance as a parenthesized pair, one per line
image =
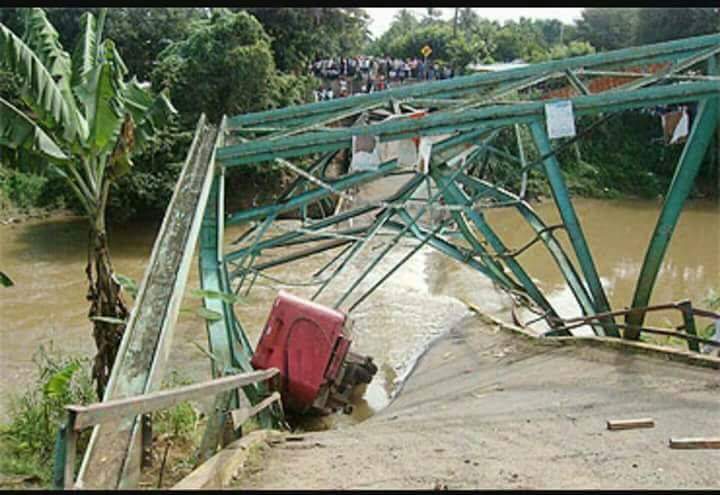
(447, 122)
(288, 237)
(553, 246)
(314, 194)
(572, 225)
(397, 265)
(441, 245)
(393, 242)
(454, 195)
(706, 122)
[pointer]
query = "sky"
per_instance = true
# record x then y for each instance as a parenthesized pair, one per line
(382, 16)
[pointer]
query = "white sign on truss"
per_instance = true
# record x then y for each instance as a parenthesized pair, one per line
(560, 119)
(424, 152)
(365, 153)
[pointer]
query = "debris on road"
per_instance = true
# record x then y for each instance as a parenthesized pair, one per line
(630, 424)
(695, 443)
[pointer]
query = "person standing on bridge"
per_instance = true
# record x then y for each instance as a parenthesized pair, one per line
(380, 85)
(430, 71)
(343, 87)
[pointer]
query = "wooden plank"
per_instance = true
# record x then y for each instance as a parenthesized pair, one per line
(132, 406)
(219, 470)
(630, 424)
(239, 416)
(695, 443)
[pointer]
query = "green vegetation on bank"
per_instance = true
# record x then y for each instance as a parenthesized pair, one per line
(27, 441)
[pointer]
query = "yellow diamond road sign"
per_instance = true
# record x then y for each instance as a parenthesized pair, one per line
(426, 50)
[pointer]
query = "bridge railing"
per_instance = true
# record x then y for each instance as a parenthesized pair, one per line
(686, 331)
(82, 417)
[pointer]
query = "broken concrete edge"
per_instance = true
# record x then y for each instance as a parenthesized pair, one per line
(218, 471)
(657, 351)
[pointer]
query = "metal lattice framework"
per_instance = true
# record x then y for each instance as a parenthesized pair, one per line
(464, 117)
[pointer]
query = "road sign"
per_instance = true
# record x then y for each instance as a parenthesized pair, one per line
(426, 51)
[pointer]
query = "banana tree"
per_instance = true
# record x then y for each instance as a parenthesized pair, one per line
(85, 118)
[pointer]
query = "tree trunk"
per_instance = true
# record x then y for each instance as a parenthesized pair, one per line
(106, 300)
(455, 22)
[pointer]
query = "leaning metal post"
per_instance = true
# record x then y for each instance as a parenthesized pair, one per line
(700, 135)
(572, 224)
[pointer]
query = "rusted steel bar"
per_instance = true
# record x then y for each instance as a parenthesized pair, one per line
(689, 323)
(656, 307)
(659, 331)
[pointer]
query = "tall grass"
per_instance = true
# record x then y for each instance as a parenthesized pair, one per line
(28, 440)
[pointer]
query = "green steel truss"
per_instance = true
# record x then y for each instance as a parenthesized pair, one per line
(465, 115)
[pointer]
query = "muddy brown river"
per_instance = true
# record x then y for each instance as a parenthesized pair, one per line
(421, 301)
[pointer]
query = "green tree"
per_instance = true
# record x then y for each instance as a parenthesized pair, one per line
(141, 34)
(225, 66)
(518, 39)
(86, 120)
(431, 16)
(301, 35)
(462, 52)
(608, 28)
(655, 25)
(404, 22)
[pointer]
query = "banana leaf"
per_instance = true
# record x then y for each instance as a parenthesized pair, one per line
(84, 54)
(18, 131)
(53, 101)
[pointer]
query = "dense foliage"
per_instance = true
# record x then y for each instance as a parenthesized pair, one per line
(468, 38)
(302, 35)
(224, 66)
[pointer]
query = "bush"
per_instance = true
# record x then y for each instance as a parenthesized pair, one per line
(147, 189)
(225, 66)
(22, 190)
(27, 442)
(180, 421)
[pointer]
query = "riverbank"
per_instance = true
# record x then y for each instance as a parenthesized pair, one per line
(487, 408)
(12, 215)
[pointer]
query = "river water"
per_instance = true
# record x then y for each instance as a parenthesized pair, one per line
(420, 302)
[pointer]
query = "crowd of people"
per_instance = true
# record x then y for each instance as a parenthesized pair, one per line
(345, 76)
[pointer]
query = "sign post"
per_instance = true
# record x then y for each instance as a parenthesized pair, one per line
(426, 51)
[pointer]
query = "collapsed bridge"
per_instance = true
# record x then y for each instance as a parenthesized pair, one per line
(435, 139)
